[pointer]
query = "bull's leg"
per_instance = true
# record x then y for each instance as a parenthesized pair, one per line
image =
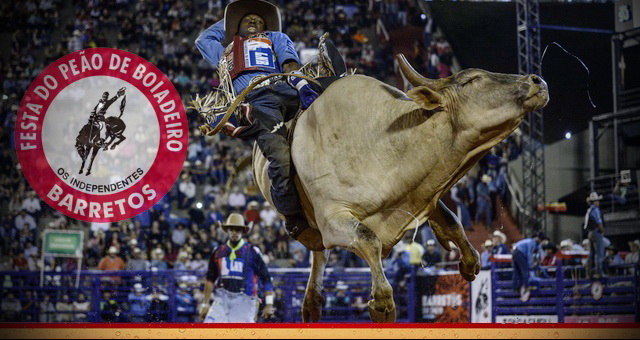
(344, 230)
(447, 228)
(369, 247)
(313, 300)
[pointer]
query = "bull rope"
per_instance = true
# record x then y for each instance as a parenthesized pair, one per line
(210, 131)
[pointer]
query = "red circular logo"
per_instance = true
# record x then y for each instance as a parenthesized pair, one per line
(101, 135)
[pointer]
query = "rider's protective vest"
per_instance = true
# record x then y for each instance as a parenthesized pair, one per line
(250, 54)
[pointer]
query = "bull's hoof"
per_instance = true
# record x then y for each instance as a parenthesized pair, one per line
(312, 309)
(88, 173)
(382, 312)
(113, 147)
(469, 270)
(81, 171)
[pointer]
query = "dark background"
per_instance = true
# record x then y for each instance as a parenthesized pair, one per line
(483, 35)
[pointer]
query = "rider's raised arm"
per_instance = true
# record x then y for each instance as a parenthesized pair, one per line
(209, 43)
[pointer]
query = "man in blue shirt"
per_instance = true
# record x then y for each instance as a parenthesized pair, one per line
(235, 269)
(250, 42)
(594, 225)
(523, 260)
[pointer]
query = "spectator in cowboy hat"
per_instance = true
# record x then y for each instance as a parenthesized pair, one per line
(594, 226)
(485, 257)
(499, 243)
(112, 262)
(431, 256)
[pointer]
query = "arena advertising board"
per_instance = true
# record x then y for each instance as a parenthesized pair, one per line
(442, 298)
(481, 298)
(101, 135)
(527, 319)
(600, 319)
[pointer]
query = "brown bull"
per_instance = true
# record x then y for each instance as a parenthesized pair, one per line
(372, 160)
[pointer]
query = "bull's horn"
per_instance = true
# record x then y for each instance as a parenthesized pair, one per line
(415, 78)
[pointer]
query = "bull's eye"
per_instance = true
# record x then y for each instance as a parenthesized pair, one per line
(471, 80)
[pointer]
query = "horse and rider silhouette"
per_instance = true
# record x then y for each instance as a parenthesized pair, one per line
(90, 140)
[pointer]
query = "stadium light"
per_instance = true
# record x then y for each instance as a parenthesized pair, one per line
(199, 205)
(568, 135)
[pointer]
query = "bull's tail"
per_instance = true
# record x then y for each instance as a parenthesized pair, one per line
(240, 166)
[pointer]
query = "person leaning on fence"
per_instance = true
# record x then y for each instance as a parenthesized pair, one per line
(594, 226)
(234, 272)
(523, 261)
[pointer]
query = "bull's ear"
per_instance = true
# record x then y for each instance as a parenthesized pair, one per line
(426, 97)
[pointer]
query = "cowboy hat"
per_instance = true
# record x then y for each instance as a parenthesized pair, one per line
(235, 220)
(566, 243)
(594, 197)
(501, 235)
(235, 11)
(486, 179)
(431, 243)
(487, 244)
(112, 250)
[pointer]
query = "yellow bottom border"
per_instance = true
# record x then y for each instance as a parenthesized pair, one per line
(301, 333)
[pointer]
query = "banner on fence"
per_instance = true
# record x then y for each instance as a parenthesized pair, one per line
(443, 298)
(481, 298)
(600, 319)
(527, 319)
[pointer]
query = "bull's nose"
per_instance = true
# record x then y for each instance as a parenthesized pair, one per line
(537, 80)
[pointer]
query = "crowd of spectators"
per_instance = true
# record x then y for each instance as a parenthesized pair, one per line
(181, 231)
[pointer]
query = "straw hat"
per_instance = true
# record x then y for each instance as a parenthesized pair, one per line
(112, 250)
(235, 220)
(235, 11)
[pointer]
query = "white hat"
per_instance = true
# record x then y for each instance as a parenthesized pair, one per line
(501, 235)
(566, 243)
(486, 178)
(133, 242)
(431, 242)
(113, 250)
(488, 243)
(585, 242)
(253, 204)
(594, 197)
(636, 243)
(138, 287)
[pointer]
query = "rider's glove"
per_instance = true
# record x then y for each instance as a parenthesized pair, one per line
(307, 93)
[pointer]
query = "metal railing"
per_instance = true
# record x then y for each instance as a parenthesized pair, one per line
(565, 291)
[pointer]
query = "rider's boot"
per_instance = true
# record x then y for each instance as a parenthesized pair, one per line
(299, 230)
